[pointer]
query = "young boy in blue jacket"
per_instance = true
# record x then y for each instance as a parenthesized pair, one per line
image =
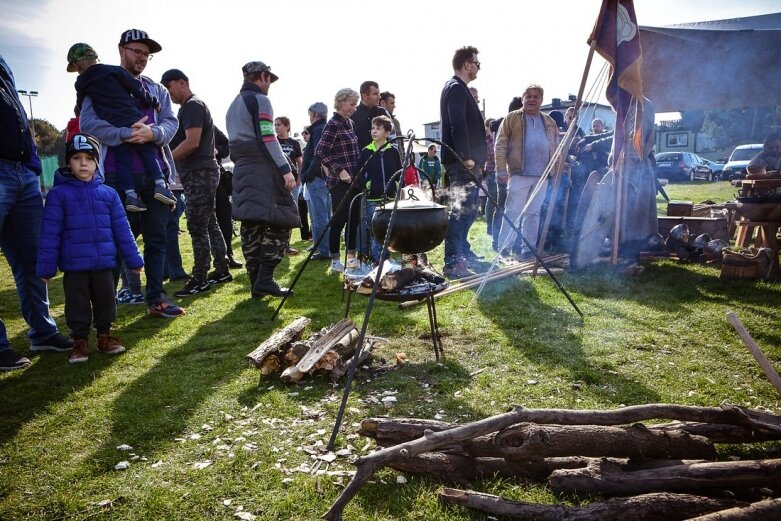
(83, 227)
(378, 173)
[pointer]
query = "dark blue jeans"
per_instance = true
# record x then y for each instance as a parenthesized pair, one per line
(463, 199)
(152, 226)
(21, 208)
(174, 267)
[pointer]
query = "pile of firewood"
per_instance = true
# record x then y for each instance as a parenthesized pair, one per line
(661, 471)
(328, 351)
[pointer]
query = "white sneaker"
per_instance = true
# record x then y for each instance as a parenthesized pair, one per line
(337, 266)
(352, 263)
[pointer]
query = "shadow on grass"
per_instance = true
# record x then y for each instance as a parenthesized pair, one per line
(50, 378)
(550, 336)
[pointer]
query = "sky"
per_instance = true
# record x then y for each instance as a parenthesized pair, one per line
(317, 47)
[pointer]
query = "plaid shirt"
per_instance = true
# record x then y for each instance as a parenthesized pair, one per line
(490, 160)
(338, 148)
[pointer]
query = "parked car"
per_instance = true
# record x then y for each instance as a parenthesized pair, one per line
(739, 160)
(681, 166)
(715, 167)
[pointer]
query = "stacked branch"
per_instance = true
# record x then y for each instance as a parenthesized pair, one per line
(328, 351)
(604, 453)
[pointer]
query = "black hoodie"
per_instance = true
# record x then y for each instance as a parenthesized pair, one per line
(114, 93)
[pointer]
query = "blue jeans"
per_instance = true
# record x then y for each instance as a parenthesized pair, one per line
(376, 247)
(319, 200)
(153, 228)
(173, 256)
(21, 208)
(463, 199)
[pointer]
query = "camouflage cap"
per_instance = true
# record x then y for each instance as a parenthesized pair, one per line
(259, 67)
(78, 52)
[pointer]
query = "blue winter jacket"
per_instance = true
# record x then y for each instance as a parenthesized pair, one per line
(84, 224)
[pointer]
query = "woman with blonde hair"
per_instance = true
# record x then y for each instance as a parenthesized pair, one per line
(338, 152)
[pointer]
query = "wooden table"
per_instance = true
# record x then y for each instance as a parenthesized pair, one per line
(767, 231)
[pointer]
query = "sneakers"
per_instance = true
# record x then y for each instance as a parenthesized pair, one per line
(10, 360)
(320, 256)
(126, 297)
(133, 203)
(110, 345)
(337, 266)
(352, 263)
(457, 271)
(164, 195)
(216, 277)
(166, 309)
(80, 351)
(193, 287)
(56, 342)
(291, 251)
(122, 295)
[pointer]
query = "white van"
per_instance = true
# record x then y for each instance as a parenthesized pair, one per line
(739, 160)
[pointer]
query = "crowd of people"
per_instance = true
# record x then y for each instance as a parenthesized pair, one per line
(133, 167)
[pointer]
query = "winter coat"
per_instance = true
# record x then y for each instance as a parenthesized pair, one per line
(83, 226)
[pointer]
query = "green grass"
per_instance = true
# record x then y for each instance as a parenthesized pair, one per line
(657, 337)
(696, 192)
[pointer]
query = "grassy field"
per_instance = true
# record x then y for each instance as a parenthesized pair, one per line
(211, 439)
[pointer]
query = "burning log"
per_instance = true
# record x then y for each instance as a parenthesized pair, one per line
(605, 479)
(278, 341)
(398, 279)
(767, 509)
(659, 506)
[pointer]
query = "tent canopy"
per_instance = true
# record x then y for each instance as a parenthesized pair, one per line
(721, 64)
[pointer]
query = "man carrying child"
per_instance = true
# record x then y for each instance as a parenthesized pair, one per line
(158, 128)
(115, 94)
(83, 228)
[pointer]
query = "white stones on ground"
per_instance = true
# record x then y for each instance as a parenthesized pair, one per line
(400, 479)
(245, 516)
(124, 447)
(200, 465)
(158, 463)
(122, 465)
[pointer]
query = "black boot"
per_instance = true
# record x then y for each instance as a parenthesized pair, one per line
(233, 263)
(266, 285)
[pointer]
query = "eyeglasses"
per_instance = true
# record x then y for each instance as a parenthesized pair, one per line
(139, 53)
(476, 63)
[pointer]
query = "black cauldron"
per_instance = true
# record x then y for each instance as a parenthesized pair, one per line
(418, 226)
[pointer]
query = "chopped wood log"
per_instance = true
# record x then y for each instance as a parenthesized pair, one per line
(604, 478)
(296, 352)
(342, 369)
(431, 441)
(346, 345)
(291, 375)
(276, 342)
(324, 344)
(271, 364)
(659, 506)
(327, 362)
(767, 509)
(392, 431)
(720, 433)
(531, 441)
(398, 279)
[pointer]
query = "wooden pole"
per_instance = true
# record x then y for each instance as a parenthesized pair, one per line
(760, 357)
(557, 160)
